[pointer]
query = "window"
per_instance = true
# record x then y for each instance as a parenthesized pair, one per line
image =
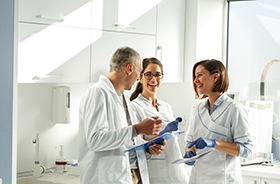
(253, 42)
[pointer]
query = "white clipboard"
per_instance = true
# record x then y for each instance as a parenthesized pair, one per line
(184, 160)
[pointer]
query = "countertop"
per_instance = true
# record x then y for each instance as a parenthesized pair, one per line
(50, 178)
(261, 171)
(272, 172)
(60, 178)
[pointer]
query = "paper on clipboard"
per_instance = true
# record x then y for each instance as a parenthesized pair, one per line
(157, 140)
(184, 160)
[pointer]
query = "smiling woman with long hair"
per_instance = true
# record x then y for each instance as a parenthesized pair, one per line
(146, 104)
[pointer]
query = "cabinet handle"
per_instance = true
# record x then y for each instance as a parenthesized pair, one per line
(122, 26)
(50, 18)
(255, 182)
(159, 53)
(265, 182)
(68, 100)
(39, 77)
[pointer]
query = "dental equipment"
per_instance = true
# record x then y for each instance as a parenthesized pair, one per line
(263, 77)
(38, 169)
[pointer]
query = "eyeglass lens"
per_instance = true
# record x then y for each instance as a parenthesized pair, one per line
(150, 75)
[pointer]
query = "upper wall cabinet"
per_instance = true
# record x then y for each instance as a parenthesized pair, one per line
(73, 40)
(53, 54)
(59, 12)
(170, 38)
(137, 16)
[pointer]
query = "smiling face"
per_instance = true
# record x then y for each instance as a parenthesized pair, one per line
(210, 78)
(204, 82)
(151, 86)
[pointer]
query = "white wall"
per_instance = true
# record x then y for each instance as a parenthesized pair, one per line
(35, 114)
(180, 97)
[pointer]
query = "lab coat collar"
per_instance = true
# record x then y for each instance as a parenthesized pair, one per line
(146, 101)
(217, 103)
(107, 83)
(220, 100)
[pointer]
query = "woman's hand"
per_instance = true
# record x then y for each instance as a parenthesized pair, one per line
(157, 149)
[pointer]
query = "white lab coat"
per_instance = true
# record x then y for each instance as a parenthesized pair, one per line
(103, 134)
(159, 166)
(227, 123)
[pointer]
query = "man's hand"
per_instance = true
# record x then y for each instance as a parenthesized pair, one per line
(149, 126)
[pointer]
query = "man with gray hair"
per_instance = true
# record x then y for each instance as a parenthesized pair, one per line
(107, 125)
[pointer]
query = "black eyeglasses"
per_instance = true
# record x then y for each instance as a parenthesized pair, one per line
(149, 75)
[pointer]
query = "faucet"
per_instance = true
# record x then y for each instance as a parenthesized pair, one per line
(38, 169)
(263, 77)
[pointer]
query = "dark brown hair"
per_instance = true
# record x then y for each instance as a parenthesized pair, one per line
(145, 63)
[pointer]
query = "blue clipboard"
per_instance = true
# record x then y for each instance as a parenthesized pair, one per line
(157, 140)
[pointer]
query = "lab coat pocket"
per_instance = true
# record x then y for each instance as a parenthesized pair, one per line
(114, 169)
(218, 132)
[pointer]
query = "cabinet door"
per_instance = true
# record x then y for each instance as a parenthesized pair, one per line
(251, 180)
(105, 43)
(269, 181)
(170, 38)
(53, 54)
(58, 12)
(137, 16)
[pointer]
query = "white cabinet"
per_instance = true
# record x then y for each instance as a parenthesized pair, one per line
(105, 43)
(170, 38)
(54, 40)
(53, 54)
(259, 180)
(73, 40)
(269, 181)
(159, 26)
(137, 16)
(260, 175)
(58, 12)
(251, 180)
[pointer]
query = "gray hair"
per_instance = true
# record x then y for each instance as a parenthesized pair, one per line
(123, 56)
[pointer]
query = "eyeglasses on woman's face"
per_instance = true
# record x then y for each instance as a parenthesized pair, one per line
(150, 75)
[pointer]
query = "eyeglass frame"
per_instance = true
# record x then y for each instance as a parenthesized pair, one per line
(156, 75)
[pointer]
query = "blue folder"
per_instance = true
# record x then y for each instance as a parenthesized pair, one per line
(157, 140)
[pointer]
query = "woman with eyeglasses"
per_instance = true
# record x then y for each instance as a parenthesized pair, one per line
(146, 104)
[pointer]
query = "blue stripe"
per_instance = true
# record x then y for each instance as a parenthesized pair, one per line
(223, 111)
